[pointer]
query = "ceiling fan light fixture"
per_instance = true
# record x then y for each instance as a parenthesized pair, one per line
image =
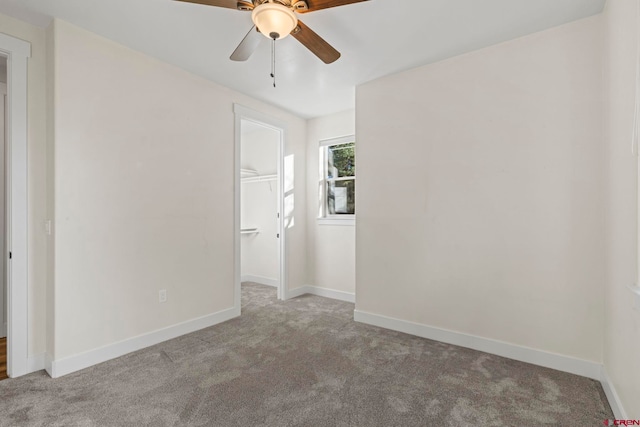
(274, 20)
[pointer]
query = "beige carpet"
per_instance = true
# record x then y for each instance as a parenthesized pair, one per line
(304, 362)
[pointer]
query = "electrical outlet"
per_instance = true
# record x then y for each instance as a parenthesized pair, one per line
(162, 295)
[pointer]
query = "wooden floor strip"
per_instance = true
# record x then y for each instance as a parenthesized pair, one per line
(3, 358)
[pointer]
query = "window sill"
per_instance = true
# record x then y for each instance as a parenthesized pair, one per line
(337, 221)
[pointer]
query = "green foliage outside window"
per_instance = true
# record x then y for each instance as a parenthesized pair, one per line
(342, 160)
(341, 172)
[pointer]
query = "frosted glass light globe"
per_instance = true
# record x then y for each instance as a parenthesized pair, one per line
(274, 20)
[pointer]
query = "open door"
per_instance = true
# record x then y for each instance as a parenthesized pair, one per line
(3, 205)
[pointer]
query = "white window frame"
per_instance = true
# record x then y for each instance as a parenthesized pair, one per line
(325, 218)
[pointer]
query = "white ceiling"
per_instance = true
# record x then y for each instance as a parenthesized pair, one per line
(376, 38)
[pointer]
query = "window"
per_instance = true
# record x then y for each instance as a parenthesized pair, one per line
(338, 177)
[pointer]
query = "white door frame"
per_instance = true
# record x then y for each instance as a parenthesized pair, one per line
(17, 52)
(244, 113)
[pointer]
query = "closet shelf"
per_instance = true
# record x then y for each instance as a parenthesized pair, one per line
(259, 178)
(249, 231)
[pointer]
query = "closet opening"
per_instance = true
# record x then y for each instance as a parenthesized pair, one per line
(259, 205)
(260, 242)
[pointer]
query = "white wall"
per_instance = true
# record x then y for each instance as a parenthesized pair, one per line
(37, 179)
(259, 205)
(3, 69)
(480, 193)
(622, 323)
(144, 193)
(332, 248)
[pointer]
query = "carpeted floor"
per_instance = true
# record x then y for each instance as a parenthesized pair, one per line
(303, 362)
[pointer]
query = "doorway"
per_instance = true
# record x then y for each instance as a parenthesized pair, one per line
(259, 226)
(259, 200)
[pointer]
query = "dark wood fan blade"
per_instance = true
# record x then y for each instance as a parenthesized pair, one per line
(248, 45)
(326, 4)
(315, 43)
(230, 4)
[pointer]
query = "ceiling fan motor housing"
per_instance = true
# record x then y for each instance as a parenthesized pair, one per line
(297, 5)
(246, 5)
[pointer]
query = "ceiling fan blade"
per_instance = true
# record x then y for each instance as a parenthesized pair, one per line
(248, 45)
(325, 4)
(231, 4)
(315, 43)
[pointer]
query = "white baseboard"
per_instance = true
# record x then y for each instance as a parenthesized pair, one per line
(261, 280)
(35, 363)
(331, 293)
(3, 330)
(612, 396)
(67, 365)
(294, 293)
(559, 362)
(48, 364)
(322, 292)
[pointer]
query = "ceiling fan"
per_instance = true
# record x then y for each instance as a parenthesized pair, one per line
(276, 19)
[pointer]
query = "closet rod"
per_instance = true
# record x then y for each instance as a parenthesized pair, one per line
(260, 178)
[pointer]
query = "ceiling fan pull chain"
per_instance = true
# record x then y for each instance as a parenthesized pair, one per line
(273, 61)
